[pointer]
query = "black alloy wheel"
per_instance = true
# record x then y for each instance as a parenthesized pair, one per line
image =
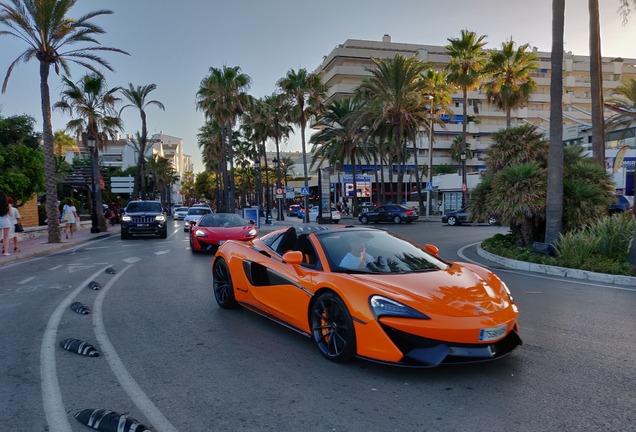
(332, 328)
(222, 285)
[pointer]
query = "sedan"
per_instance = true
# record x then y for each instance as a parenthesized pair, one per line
(367, 293)
(212, 230)
(313, 214)
(193, 215)
(395, 213)
(180, 213)
(463, 216)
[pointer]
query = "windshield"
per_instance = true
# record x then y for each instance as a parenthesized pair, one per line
(225, 220)
(198, 211)
(144, 207)
(383, 253)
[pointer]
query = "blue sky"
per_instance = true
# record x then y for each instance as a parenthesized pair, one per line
(174, 43)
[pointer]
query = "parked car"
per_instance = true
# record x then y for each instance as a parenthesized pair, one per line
(395, 213)
(406, 306)
(313, 214)
(463, 216)
(214, 229)
(293, 210)
(620, 204)
(194, 214)
(144, 218)
(179, 213)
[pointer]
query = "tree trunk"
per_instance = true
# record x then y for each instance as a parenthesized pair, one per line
(554, 200)
(463, 147)
(596, 77)
(302, 140)
(230, 152)
(52, 208)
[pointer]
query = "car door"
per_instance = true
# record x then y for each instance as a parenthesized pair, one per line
(375, 214)
(389, 212)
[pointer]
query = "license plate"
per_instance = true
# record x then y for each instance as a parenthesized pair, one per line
(492, 333)
(142, 225)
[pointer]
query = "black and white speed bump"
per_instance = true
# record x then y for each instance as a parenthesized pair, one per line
(94, 285)
(80, 308)
(79, 347)
(110, 270)
(107, 421)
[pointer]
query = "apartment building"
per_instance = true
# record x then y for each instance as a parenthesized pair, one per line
(344, 68)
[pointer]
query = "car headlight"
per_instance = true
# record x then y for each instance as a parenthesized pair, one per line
(382, 306)
(160, 218)
(126, 218)
(200, 233)
(251, 233)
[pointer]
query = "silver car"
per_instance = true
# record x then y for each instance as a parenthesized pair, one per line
(179, 213)
(193, 215)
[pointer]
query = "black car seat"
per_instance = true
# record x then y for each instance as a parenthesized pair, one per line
(309, 254)
(288, 242)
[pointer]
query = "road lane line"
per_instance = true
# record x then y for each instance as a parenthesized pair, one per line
(56, 416)
(130, 386)
(26, 280)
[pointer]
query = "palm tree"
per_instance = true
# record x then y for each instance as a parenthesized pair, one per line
(340, 137)
(222, 96)
(306, 93)
(210, 141)
(44, 25)
(465, 69)
(137, 98)
(255, 125)
(510, 84)
(395, 85)
(554, 200)
(596, 85)
(93, 105)
(439, 92)
(278, 111)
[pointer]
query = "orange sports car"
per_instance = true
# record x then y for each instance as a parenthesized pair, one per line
(369, 293)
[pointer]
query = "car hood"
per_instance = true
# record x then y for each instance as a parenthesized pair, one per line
(457, 291)
(149, 214)
(227, 233)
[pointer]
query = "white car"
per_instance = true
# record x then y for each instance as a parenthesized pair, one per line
(180, 213)
(313, 214)
(194, 214)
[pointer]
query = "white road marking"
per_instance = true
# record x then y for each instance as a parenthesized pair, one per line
(162, 252)
(56, 267)
(26, 280)
(76, 267)
(56, 415)
(131, 260)
(132, 388)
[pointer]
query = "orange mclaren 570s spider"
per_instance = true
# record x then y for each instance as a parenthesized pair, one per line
(367, 293)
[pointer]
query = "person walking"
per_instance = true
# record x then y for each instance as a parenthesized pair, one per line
(5, 222)
(69, 215)
(15, 219)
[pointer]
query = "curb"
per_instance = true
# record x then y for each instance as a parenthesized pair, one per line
(558, 271)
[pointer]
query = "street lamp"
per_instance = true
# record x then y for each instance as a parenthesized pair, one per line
(91, 146)
(280, 216)
(462, 156)
(430, 155)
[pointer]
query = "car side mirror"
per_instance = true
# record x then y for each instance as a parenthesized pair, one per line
(293, 257)
(193, 223)
(252, 222)
(432, 249)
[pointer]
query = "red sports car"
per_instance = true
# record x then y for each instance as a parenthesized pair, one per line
(369, 293)
(212, 230)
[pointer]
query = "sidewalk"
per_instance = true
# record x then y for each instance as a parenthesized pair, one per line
(39, 246)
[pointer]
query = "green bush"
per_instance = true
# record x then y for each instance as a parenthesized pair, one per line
(601, 247)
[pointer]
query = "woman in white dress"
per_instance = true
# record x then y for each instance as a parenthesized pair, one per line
(5, 222)
(70, 216)
(15, 218)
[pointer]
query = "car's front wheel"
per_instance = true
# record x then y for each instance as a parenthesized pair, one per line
(364, 220)
(452, 220)
(332, 328)
(222, 285)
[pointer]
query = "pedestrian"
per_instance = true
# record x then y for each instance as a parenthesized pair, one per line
(5, 222)
(69, 215)
(15, 219)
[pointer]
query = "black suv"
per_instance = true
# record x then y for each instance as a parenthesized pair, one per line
(144, 218)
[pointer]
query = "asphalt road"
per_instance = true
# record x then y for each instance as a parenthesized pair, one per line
(171, 358)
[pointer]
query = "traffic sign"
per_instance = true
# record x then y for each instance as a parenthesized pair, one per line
(279, 191)
(304, 191)
(429, 186)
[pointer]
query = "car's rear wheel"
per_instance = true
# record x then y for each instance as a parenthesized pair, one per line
(452, 220)
(222, 284)
(492, 221)
(364, 220)
(332, 328)
(397, 219)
